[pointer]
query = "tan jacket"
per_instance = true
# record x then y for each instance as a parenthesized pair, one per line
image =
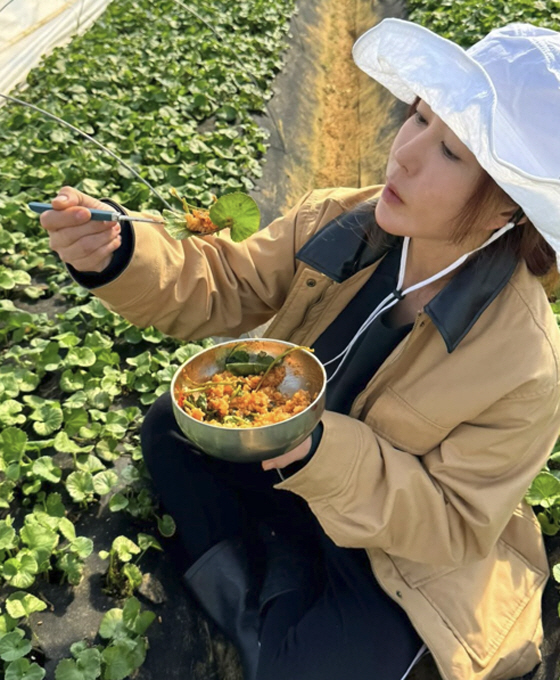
(429, 470)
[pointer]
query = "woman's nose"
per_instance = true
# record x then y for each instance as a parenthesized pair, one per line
(411, 146)
(408, 155)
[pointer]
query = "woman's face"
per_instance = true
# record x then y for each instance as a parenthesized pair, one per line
(430, 176)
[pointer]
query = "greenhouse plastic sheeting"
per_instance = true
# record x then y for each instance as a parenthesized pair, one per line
(30, 29)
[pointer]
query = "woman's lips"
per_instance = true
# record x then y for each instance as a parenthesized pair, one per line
(389, 195)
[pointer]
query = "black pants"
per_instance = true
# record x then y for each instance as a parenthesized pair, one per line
(343, 626)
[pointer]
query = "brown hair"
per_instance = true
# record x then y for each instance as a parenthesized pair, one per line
(524, 239)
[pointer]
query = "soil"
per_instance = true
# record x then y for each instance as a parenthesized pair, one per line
(333, 144)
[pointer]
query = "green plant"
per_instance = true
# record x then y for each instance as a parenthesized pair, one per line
(123, 576)
(124, 630)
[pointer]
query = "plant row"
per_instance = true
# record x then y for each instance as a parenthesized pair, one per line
(174, 93)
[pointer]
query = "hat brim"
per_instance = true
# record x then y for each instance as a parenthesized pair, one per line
(411, 61)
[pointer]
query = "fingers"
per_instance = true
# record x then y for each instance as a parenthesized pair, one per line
(70, 209)
(86, 247)
(78, 240)
(68, 197)
(84, 239)
(290, 457)
(52, 220)
(99, 259)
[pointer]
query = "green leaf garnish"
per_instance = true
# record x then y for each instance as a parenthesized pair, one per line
(241, 362)
(176, 226)
(237, 212)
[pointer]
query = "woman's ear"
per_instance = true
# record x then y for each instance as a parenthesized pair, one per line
(509, 214)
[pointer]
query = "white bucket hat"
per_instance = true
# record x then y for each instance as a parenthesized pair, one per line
(501, 97)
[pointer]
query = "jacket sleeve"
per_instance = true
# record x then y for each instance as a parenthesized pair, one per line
(206, 286)
(446, 508)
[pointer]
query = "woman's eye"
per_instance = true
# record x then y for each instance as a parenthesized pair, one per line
(420, 118)
(448, 153)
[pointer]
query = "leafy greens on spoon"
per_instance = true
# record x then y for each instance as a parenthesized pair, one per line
(237, 212)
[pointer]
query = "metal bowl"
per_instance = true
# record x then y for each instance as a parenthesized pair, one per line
(303, 371)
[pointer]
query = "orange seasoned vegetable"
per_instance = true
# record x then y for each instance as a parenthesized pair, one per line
(242, 401)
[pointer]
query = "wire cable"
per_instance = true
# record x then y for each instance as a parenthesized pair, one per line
(91, 139)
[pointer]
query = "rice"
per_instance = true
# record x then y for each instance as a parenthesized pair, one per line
(233, 401)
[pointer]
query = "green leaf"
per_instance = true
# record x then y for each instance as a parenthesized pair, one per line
(125, 548)
(176, 226)
(72, 566)
(133, 575)
(145, 541)
(10, 413)
(80, 485)
(90, 463)
(27, 380)
(44, 468)
(13, 646)
(7, 624)
(104, 481)
(22, 669)
(134, 620)
(37, 536)
(82, 546)
(12, 444)
(166, 525)
(237, 212)
(111, 623)
(20, 571)
(80, 356)
(63, 444)
(77, 400)
(55, 506)
(118, 662)
(118, 502)
(544, 491)
(71, 381)
(67, 529)
(116, 425)
(48, 419)
(86, 667)
(67, 339)
(32, 487)
(78, 647)
(67, 669)
(21, 605)
(7, 535)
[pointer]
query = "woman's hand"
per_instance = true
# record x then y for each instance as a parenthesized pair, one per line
(88, 246)
(287, 458)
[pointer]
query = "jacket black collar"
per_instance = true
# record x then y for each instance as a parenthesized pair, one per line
(341, 249)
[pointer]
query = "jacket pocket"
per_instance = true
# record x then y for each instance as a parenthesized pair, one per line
(391, 417)
(292, 314)
(480, 602)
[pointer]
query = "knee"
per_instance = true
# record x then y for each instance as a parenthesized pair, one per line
(158, 425)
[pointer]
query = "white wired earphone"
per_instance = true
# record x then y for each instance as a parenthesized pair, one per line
(398, 294)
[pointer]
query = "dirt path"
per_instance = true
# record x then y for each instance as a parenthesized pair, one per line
(336, 123)
(335, 145)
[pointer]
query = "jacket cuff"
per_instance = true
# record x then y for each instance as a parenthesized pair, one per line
(316, 436)
(119, 262)
(330, 468)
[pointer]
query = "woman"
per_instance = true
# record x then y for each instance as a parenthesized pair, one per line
(405, 524)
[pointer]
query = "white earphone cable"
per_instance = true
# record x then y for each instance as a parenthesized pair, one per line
(398, 294)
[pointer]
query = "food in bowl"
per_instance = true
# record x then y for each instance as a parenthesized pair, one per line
(246, 394)
(248, 358)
